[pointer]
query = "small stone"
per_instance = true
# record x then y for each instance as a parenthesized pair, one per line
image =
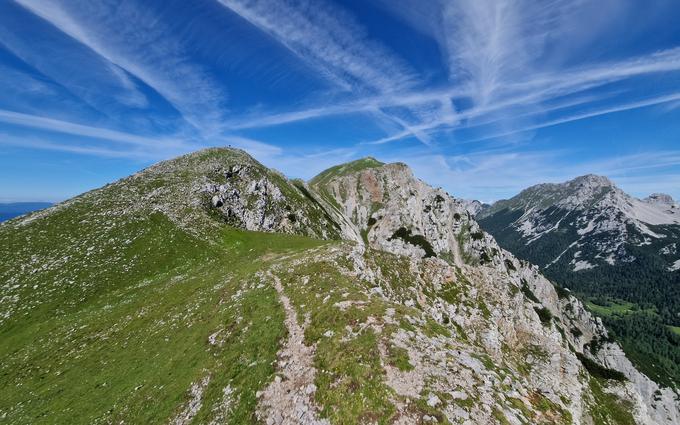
(459, 395)
(433, 400)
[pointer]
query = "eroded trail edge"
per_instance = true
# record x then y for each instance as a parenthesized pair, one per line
(289, 397)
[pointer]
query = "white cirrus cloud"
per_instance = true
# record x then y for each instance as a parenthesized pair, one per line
(329, 40)
(75, 129)
(134, 39)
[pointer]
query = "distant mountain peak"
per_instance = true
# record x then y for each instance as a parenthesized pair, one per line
(588, 214)
(591, 180)
(474, 206)
(660, 198)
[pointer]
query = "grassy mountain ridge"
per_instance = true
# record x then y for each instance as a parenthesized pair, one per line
(109, 297)
(345, 169)
(149, 301)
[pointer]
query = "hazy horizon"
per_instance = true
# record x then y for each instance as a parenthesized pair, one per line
(4, 202)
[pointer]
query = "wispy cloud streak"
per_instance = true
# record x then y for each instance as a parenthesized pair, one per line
(329, 40)
(85, 148)
(490, 43)
(532, 92)
(585, 115)
(65, 127)
(133, 39)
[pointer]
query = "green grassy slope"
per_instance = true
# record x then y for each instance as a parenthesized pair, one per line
(108, 302)
(123, 340)
(345, 169)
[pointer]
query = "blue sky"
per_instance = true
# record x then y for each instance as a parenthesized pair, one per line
(481, 97)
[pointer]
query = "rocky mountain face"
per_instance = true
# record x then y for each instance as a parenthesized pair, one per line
(243, 193)
(475, 207)
(588, 221)
(395, 212)
(366, 296)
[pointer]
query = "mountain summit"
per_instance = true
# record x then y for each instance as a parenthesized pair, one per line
(210, 289)
(395, 212)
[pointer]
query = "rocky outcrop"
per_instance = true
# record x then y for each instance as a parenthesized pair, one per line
(206, 189)
(250, 197)
(587, 337)
(395, 212)
(474, 207)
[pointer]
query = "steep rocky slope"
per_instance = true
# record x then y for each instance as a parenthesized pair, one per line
(144, 302)
(398, 213)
